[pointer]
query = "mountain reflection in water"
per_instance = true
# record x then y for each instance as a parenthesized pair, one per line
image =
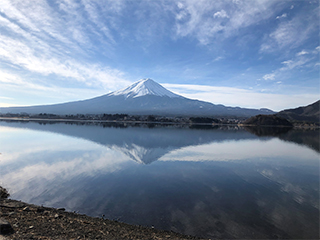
(224, 183)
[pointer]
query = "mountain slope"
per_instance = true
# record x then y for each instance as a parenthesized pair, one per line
(310, 113)
(144, 97)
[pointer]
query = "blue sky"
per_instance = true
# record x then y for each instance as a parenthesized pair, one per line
(256, 54)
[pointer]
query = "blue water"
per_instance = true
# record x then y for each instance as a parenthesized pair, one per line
(220, 182)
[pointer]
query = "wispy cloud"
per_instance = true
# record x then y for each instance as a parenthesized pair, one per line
(218, 58)
(296, 63)
(303, 52)
(270, 76)
(207, 20)
(282, 16)
(221, 14)
(99, 13)
(244, 97)
(18, 53)
(301, 60)
(34, 92)
(292, 33)
(5, 97)
(43, 45)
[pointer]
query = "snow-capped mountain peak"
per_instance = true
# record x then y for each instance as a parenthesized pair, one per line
(145, 87)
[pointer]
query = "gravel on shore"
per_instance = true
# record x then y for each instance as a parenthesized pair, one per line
(19, 220)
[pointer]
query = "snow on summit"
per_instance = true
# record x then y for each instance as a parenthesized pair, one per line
(145, 87)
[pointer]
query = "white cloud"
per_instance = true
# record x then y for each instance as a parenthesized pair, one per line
(218, 58)
(302, 60)
(285, 34)
(42, 44)
(221, 14)
(205, 20)
(14, 80)
(303, 52)
(38, 93)
(282, 16)
(292, 33)
(270, 76)
(6, 77)
(91, 8)
(6, 98)
(62, 42)
(233, 150)
(20, 54)
(291, 64)
(237, 97)
(9, 105)
(90, 159)
(7, 8)
(38, 19)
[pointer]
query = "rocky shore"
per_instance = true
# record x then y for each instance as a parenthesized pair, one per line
(19, 220)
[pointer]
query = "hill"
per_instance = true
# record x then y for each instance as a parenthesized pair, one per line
(267, 120)
(310, 113)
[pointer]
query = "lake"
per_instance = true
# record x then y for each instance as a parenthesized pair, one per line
(223, 182)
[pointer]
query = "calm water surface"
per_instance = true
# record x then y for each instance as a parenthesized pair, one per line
(225, 183)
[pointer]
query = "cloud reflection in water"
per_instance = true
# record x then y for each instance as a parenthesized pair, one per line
(211, 183)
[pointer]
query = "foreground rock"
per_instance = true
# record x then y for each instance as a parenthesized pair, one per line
(5, 227)
(27, 221)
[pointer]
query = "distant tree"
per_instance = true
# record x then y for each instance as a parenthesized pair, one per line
(203, 120)
(3, 193)
(151, 118)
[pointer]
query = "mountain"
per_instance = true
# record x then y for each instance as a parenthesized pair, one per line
(145, 97)
(310, 113)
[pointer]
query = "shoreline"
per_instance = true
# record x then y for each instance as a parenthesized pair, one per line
(105, 121)
(28, 221)
(95, 121)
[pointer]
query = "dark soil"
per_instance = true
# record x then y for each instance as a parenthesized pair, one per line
(34, 222)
